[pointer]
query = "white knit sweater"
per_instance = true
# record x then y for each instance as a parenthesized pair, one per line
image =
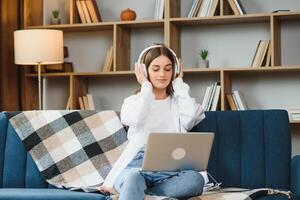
(186, 113)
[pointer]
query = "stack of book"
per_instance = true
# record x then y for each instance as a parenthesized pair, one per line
(236, 101)
(294, 115)
(108, 62)
(262, 56)
(88, 11)
(203, 8)
(86, 102)
(159, 9)
(211, 97)
(236, 7)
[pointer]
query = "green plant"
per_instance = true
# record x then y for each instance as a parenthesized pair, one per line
(204, 54)
(55, 13)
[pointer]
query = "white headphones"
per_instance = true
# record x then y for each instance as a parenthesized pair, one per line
(146, 50)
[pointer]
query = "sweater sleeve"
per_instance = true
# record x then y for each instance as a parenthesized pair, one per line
(135, 108)
(190, 112)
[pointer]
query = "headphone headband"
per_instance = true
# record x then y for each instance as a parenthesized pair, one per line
(146, 50)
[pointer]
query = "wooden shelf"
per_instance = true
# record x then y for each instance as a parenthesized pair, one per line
(77, 27)
(287, 15)
(219, 20)
(97, 74)
(51, 75)
(187, 70)
(102, 25)
(265, 69)
(244, 69)
(141, 23)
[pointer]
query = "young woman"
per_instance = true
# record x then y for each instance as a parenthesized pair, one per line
(162, 105)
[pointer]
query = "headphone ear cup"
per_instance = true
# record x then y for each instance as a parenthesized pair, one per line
(144, 70)
(176, 68)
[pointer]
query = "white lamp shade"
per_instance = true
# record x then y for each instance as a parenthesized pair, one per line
(38, 46)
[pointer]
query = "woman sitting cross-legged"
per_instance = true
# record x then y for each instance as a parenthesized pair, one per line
(163, 104)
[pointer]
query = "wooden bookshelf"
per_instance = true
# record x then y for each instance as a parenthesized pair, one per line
(171, 26)
(219, 20)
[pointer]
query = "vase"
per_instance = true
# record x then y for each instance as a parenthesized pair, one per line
(55, 21)
(203, 63)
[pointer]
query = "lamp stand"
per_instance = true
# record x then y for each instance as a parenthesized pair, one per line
(40, 85)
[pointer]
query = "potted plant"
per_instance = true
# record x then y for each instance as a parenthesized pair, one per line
(55, 17)
(203, 60)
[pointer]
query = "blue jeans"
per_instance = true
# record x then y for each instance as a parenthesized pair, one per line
(133, 184)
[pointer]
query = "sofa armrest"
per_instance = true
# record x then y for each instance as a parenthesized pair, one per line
(295, 175)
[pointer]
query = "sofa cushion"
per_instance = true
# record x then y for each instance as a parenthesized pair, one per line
(252, 149)
(46, 194)
(19, 171)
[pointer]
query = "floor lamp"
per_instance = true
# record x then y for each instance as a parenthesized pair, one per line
(38, 47)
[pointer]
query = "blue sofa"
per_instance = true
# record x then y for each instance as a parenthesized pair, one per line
(252, 149)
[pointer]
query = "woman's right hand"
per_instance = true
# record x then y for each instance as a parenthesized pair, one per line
(140, 77)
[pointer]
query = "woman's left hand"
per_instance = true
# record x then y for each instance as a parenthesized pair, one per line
(180, 75)
(107, 190)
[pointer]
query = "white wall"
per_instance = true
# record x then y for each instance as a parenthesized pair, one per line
(229, 45)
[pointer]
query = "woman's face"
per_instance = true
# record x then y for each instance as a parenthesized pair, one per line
(160, 72)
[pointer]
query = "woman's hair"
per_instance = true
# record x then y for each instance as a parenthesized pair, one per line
(154, 53)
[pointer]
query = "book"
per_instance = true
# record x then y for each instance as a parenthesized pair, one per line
(260, 53)
(264, 52)
(85, 103)
(91, 103)
(85, 11)
(200, 9)
(213, 9)
(161, 9)
(198, 6)
(296, 111)
(97, 10)
(193, 9)
(268, 58)
(235, 102)
(208, 8)
(80, 11)
(294, 114)
(216, 98)
(206, 97)
(240, 100)
(239, 7)
(255, 57)
(108, 62)
(103, 68)
(80, 101)
(231, 103)
(211, 95)
(93, 11)
(233, 7)
(204, 8)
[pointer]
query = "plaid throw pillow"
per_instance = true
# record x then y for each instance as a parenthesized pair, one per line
(72, 149)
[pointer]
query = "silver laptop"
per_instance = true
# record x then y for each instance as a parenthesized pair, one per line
(178, 151)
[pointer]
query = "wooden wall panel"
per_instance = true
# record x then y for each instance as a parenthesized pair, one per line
(9, 72)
